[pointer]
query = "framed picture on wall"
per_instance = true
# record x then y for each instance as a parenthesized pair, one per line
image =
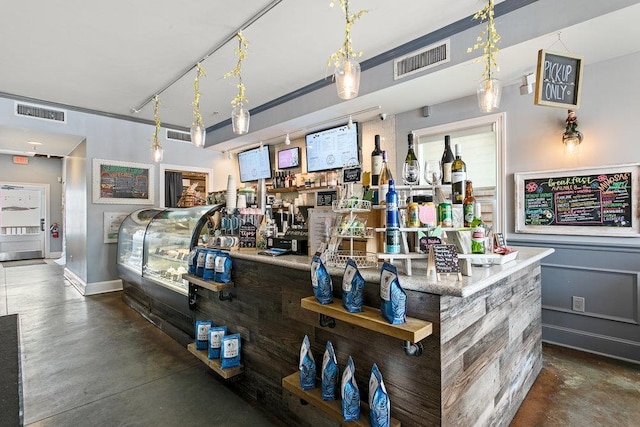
(112, 221)
(126, 183)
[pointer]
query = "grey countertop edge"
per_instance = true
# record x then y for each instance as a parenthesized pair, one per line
(481, 278)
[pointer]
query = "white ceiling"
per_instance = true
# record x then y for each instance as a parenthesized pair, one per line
(114, 56)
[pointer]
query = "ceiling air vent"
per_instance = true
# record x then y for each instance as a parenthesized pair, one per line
(423, 59)
(177, 135)
(40, 112)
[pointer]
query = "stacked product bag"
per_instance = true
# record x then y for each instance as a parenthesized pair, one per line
(209, 264)
(215, 340)
(222, 267)
(352, 287)
(379, 403)
(330, 373)
(321, 281)
(307, 366)
(202, 333)
(230, 351)
(393, 306)
(350, 393)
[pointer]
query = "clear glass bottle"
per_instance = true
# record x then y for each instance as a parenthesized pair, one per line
(458, 177)
(383, 181)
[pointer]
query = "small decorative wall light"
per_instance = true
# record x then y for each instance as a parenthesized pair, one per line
(239, 115)
(287, 140)
(347, 69)
(198, 132)
(490, 88)
(572, 137)
(156, 146)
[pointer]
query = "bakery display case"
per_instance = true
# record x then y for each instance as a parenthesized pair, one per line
(131, 239)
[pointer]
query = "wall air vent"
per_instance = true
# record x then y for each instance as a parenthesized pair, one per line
(423, 59)
(40, 112)
(178, 135)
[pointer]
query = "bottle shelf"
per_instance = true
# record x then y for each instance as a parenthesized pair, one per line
(214, 364)
(332, 408)
(413, 330)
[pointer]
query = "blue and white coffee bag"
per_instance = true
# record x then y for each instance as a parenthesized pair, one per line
(352, 287)
(202, 333)
(379, 403)
(192, 261)
(350, 393)
(209, 264)
(200, 257)
(215, 340)
(393, 306)
(321, 281)
(222, 267)
(329, 373)
(307, 366)
(230, 351)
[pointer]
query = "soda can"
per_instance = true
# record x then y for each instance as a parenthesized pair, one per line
(413, 219)
(445, 214)
(393, 238)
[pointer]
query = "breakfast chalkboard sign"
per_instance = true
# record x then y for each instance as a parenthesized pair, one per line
(558, 79)
(597, 201)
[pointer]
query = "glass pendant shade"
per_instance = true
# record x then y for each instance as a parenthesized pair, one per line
(198, 135)
(157, 152)
(347, 76)
(571, 140)
(489, 92)
(240, 120)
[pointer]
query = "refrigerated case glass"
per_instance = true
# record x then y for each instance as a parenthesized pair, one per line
(131, 239)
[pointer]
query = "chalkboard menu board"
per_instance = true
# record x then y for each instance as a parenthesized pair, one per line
(122, 182)
(247, 236)
(600, 201)
(446, 258)
(326, 198)
(558, 79)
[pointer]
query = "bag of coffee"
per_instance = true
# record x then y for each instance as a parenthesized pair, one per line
(223, 267)
(350, 393)
(215, 340)
(230, 351)
(352, 287)
(329, 373)
(200, 257)
(209, 264)
(192, 261)
(202, 333)
(393, 306)
(321, 281)
(307, 366)
(379, 403)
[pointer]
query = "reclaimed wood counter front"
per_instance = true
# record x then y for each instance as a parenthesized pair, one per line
(476, 368)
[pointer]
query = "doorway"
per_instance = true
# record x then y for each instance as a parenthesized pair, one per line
(175, 179)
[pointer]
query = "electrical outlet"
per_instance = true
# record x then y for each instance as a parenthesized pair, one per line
(578, 304)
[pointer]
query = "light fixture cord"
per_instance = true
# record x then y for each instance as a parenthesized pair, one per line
(197, 117)
(156, 118)
(241, 51)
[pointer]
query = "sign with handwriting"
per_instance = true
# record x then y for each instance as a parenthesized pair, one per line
(247, 236)
(351, 175)
(326, 198)
(446, 259)
(558, 79)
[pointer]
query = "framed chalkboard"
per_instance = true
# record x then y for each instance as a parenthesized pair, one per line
(124, 183)
(558, 79)
(600, 201)
(248, 236)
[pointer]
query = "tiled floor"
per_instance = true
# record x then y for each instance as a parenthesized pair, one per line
(95, 362)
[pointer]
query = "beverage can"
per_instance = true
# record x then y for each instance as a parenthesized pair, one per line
(413, 219)
(393, 237)
(445, 214)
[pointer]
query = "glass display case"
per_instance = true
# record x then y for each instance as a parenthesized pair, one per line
(131, 239)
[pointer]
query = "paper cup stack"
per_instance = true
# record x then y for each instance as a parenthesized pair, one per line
(231, 192)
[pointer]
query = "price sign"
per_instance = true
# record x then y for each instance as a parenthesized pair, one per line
(326, 198)
(446, 259)
(248, 236)
(351, 174)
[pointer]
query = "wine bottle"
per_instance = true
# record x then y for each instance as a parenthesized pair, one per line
(392, 232)
(458, 177)
(447, 160)
(478, 232)
(376, 161)
(468, 206)
(385, 177)
(411, 167)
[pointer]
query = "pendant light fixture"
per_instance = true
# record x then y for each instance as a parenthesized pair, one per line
(157, 151)
(198, 131)
(239, 115)
(490, 88)
(287, 140)
(572, 137)
(347, 69)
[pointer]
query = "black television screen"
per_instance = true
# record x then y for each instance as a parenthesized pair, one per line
(289, 158)
(332, 148)
(254, 164)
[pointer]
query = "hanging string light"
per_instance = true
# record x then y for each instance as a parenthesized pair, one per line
(490, 88)
(347, 69)
(239, 115)
(198, 131)
(157, 151)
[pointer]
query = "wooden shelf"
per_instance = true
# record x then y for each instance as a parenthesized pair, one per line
(207, 284)
(413, 330)
(411, 255)
(332, 408)
(214, 364)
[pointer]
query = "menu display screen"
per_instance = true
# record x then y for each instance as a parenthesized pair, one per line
(254, 164)
(289, 158)
(332, 148)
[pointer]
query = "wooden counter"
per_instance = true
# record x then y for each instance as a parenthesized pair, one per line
(478, 363)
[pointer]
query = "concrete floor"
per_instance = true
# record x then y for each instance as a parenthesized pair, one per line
(95, 362)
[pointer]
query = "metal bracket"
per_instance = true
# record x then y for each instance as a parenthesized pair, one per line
(413, 349)
(227, 297)
(193, 296)
(327, 321)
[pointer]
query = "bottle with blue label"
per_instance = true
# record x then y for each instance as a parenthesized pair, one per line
(392, 234)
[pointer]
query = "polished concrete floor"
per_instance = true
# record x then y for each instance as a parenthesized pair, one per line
(95, 362)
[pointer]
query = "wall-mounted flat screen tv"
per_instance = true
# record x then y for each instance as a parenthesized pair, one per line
(289, 158)
(254, 164)
(332, 148)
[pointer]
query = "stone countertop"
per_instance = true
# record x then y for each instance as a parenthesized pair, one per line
(481, 278)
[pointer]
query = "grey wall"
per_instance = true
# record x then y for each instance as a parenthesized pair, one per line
(40, 170)
(75, 184)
